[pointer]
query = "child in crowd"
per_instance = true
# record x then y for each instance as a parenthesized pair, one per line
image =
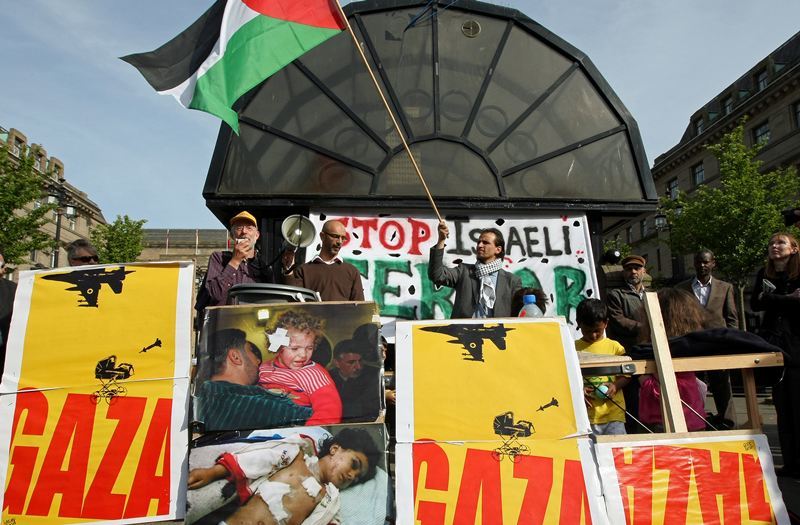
(603, 394)
(293, 339)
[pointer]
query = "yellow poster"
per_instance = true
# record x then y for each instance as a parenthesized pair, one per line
(489, 418)
(95, 391)
(485, 378)
(714, 478)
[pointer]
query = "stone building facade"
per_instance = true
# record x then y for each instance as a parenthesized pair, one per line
(768, 96)
(79, 214)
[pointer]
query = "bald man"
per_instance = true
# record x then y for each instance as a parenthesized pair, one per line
(327, 273)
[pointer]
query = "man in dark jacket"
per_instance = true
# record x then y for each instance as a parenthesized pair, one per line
(625, 323)
(483, 289)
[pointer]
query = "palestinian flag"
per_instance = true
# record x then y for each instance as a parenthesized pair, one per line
(233, 47)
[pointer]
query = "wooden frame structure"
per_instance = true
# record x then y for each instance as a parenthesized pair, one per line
(665, 367)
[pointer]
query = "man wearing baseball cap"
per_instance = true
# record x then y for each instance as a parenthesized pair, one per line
(625, 315)
(242, 265)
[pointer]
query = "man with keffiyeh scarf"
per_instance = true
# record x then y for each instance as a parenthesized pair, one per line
(483, 289)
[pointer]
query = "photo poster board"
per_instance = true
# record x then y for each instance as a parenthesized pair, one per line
(704, 478)
(264, 388)
(94, 395)
(491, 424)
(270, 468)
(391, 250)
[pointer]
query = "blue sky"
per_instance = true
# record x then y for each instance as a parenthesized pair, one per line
(141, 154)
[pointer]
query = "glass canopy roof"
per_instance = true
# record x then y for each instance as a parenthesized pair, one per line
(496, 109)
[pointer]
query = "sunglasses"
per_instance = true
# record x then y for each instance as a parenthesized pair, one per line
(86, 259)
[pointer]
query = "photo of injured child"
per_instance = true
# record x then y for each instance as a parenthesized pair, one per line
(271, 366)
(303, 475)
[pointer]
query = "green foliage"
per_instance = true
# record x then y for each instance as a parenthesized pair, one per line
(735, 219)
(617, 244)
(120, 241)
(20, 186)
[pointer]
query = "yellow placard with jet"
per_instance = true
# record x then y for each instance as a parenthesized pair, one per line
(95, 391)
(473, 380)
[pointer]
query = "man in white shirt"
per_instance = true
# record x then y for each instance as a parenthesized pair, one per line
(718, 299)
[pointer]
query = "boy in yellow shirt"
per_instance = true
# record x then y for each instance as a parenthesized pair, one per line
(603, 394)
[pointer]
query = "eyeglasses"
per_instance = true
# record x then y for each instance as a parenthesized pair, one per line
(336, 237)
(86, 258)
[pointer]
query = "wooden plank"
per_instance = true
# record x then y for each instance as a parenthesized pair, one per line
(753, 415)
(662, 436)
(671, 409)
(698, 364)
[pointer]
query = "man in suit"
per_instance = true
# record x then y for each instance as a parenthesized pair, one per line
(483, 289)
(717, 298)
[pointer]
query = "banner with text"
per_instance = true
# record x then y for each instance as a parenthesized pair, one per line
(391, 251)
(702, 479)
(94, 395)
(492, 483)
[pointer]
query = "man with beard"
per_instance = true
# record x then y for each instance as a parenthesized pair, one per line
(327, 273)
(226, 268)
(483, 289)
(625, 315)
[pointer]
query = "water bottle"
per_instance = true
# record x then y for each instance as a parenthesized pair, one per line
(529, 308)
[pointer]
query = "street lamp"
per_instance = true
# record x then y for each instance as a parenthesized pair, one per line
(59, 195)
(661, 220)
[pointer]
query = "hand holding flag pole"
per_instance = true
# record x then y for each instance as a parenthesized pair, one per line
(388, 110)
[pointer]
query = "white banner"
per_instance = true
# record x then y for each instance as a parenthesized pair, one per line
(391, 250)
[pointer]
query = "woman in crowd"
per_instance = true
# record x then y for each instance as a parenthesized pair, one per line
(776, 292)
(293, 339)
(682, 314)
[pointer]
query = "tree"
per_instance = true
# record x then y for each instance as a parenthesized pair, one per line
(20, 186)
(120, 241)
(735, 219)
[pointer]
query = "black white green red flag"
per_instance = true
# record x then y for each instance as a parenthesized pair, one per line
(233, 47)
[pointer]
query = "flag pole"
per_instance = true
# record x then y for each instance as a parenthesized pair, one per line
(389, 110)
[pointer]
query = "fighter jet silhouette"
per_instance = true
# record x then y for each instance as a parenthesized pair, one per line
(471, 337)
(88, 282)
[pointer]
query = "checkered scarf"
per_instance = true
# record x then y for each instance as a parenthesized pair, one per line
(482, 270)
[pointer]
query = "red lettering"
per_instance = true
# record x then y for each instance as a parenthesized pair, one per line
(420, 232)
(33, 403)
(73, 432)
(637, 474)
(396, 240)
(367, 226)
(436, 478)
(710, 484)
(148, 483)
(758, 507)
(479, 480)
(677, 461)
(573, 495)
(100, 502)
(538, 471)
